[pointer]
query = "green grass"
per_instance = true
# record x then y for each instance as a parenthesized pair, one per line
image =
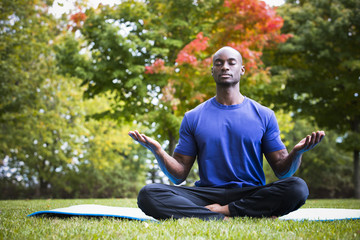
(15, 225)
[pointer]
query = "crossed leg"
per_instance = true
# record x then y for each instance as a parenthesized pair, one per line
(275, 199)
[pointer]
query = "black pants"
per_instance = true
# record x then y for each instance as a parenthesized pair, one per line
(275, 199)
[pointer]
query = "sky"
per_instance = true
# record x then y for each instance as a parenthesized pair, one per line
(64, 6)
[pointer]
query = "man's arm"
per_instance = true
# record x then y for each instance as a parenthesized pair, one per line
(285, 164)
(176, 167)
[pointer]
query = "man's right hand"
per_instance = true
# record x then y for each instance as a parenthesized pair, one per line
(176, 167)
(167, 164)
(151, 144)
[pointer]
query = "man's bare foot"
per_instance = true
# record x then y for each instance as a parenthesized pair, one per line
(219, 209)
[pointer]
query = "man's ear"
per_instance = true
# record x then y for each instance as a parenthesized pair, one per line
(242, 70)
(212, 71)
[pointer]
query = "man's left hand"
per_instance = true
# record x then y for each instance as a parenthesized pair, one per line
(309, 142)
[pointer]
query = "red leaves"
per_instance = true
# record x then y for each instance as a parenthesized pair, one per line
(246, 25)
(249, 26)
(157, 67)
(273, 24)
(78, 17)
(184, 57)
(76, 21)
(189, 52)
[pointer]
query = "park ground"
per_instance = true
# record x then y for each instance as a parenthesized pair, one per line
(15, 225)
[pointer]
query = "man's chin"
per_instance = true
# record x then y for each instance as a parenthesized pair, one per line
(226, 83)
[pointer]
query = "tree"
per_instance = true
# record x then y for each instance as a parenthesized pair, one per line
(155, 57)
(327, 169)
(248, 26)
(321, 66)
(25, 68)
(46, 143)
(59, 153)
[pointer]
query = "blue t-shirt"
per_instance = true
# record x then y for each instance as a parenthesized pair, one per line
(229, 142)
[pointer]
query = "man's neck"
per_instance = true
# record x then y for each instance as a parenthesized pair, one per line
(228, 96)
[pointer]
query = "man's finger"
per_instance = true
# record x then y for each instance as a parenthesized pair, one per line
(132, 135)
(139, 137)
(313, 138)
(146, 139)
(318, 136)
(307, 141)
(322, 135)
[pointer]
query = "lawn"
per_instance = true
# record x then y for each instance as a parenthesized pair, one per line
(15, 225)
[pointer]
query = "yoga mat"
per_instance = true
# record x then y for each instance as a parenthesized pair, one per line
(322, 214)
(94, 210)
(311, 214)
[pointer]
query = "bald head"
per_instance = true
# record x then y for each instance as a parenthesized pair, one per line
(227, 67)
(228, 51)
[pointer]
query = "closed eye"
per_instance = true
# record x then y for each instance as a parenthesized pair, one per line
(232, 62)
(218, 63)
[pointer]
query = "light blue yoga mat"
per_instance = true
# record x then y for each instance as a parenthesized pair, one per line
(94, 210)
(322, 214)
(311, 214)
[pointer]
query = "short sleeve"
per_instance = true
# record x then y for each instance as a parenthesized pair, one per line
(187, 144)
(271, 140)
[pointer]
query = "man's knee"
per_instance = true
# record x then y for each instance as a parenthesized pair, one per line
(147, 198)
(153, 200)
(145, 194)
(298, 189)
(294, 193)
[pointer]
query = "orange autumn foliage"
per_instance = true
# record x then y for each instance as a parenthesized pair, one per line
(188, 53)
(249, 26)
(76, 20)
(156, 67)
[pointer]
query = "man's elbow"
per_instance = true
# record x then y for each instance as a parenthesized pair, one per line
(176, 181)
(283, 175)
(179, 177)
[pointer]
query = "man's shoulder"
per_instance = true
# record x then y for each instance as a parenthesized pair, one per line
(199, 108)
(261, 109)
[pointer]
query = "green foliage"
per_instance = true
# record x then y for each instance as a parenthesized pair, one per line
(144, 64)
(122, 40)
(327, 169)
(14, 224)
(118, 46)
(327, 163)
(47, 146)
(58, 153)
(25, 62)
(322, 62)
(119, 43)
(320, 67)
(27, 73)
(155, 58)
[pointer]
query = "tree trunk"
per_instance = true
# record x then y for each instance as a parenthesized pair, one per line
(356, 174)
(153, 173)
(42, 189)
(356, 129)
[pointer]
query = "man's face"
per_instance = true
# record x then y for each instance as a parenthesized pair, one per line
(227, 66)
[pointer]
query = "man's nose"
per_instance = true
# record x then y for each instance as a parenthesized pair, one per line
(225, 67)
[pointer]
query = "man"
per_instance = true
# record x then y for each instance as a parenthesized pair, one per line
(228, 134)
